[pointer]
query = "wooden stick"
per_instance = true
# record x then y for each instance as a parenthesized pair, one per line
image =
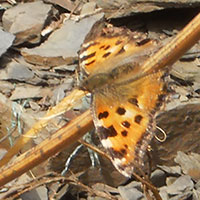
(61, 139)
(66, 104)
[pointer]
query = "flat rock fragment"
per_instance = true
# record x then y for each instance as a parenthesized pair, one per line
(175, 170)
(190, 164)
(27, 92)
(69, 5)
(26, 21)
(63, 44)
(122, 8)
(131, 191)
(182, 184)
(16, 71)
(6, 40)
(158, 178)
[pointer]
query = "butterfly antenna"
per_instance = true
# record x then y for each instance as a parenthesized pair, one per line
(164, 135)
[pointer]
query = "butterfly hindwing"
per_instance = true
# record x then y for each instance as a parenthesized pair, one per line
(125, 123)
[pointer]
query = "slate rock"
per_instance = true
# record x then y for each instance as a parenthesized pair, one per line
(60, 91)
(164, 194)
(39, 193)
(182, 184)
(16, 71)
(63, 44)
(26, 20)
(158, 178)
(65, 68)
(190, 164)
(6, 40)
(181, 124)
(130, 194)
(121, 8)
(196, 194)
(68, 5)
(26, 92)
(131, 191)
(175, 170)
(88, 8)
(183, 196)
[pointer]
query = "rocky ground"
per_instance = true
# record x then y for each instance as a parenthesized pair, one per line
(39, 41)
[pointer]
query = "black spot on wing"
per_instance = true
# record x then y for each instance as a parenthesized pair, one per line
(117, 154)
(102, 47)
(88, 56)
(107, 132)
(138, 119)
(142, 42)
(122, 50)
(120, 111)
(107, 47)
(133, 101)
(124, 133)
(123, 151)
(103, 115)
(90, 62)
(106, 55)
(118, 42)
(126, 124)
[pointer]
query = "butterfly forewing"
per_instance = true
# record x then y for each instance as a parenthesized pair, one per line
(105, 54)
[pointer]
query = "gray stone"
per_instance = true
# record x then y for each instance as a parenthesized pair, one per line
(26, 21)
(182, 184)
(96, 198)
(64, 68)
(163, 193)
(105, 188)
(190, 164)
(158, 178)
(34, 105)
(197, 185)
(196, 194)
(39, 193)
(26, 92)
(88, 8)
(170, 180)
(6, 40)
(182, 196)
(176, 170)
(120, 8)
(130, 193)
(69, 5)
(63, 44)
(60, 91)
(16, 71)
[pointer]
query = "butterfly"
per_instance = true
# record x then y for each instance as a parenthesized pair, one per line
(125, 100)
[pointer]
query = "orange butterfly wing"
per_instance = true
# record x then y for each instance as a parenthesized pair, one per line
(124, 100)
(125, 125)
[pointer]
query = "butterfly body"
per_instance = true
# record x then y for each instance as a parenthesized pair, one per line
(124, 99)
